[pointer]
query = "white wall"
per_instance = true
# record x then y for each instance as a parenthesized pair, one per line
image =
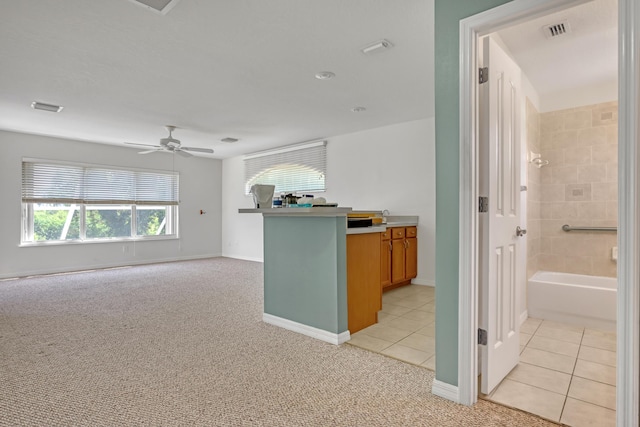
(391, 167)
(200, 188)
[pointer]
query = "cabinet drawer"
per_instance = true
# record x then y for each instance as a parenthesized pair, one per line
(412, 231)
(385, 235)
(397, 233)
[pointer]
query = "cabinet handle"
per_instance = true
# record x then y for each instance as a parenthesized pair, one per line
(406, 244)
(390, 246)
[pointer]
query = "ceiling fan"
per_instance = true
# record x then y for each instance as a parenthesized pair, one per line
(172, 145)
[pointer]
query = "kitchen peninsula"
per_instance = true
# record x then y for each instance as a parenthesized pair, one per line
(307, 279)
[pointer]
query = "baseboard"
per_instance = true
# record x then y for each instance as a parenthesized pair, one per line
(100, 266)
(524, 316)
(423, 282)
(307, 330)
(446, 391)
(244, 258)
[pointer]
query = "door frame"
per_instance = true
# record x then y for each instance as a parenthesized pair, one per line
(628, 295)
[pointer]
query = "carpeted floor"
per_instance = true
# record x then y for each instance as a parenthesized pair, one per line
(183, 344)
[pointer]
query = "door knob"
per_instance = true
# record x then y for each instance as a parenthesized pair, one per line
(520, 231)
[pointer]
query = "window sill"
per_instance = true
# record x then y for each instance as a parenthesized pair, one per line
(96, 241)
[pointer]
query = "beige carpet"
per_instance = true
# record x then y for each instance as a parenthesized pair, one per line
(183, 344)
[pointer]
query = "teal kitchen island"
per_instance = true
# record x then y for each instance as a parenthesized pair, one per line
(305, 270)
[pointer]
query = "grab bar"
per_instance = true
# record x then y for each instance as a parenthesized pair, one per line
(567, 227)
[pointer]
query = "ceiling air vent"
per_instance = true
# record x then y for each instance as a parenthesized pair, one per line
(160, 6)
(555, 30)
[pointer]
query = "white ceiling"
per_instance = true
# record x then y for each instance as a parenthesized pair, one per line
(585, 57)
(216, 69)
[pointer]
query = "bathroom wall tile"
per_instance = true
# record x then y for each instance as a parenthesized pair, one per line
(577, 120)
(533, 210)
(552, 228)
(564, 139)
(545, 245)
(552, 192)
(546, 175)
(533, 229)
(612, 172)
(555, 157)
(592, 173)
(547, 209)
(577, 192)
(591, 210)
(593, 392)
(564, 175)
(603, 191)
(595, 372)
(579, 413)
(604, 267)
(593, 136)
(550, 122)
(548, 262)
(604, 154)
(564, 210)
(604, 115)
(578, 265)
(578, 156)
(612, 211)
(612, 134)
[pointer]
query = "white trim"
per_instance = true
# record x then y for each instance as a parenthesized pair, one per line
(628, 325)
(524, 316)
(102, 266)
(285, 149)
(445, 390)
(307, 330)
(470, 29)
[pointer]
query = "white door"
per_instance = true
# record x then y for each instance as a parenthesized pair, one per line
(499, 170)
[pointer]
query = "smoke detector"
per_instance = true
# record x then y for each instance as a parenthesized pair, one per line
(558, 29)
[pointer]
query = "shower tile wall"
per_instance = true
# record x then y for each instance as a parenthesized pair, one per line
(533, 191)
(579, 187)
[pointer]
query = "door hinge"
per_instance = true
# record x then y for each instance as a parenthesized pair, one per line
(483, 204)
(483, 75)
(482, 337)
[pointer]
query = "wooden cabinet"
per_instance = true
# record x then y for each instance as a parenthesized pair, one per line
(385, 258)
(364, 294)
(402, 264)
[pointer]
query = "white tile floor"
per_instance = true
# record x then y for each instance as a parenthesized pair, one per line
(566, 374)
(405, 328)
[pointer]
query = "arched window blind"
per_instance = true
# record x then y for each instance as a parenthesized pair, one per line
(44, 182)
(300, 167)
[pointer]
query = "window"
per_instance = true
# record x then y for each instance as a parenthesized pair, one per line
(294, 168)
(63, 202)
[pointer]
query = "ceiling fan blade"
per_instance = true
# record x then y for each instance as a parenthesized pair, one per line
(199, 150)
(148, 151)
(141, 145)
(183, 153)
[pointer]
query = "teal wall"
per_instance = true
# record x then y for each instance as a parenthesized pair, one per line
(305, 272)
(448, 13)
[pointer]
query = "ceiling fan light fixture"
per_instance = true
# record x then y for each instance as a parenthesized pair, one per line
(46, 107)
(325, 75)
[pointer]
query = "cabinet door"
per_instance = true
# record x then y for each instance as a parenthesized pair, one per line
(385, 260)
(411, 258)
(397, 260)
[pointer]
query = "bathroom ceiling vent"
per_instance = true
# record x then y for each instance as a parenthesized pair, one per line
(552, 31)
(159, 6)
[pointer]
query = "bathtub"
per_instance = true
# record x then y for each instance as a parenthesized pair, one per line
(588, 301)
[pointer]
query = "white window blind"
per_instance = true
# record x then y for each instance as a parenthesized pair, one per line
(44, 182)
(300, 167)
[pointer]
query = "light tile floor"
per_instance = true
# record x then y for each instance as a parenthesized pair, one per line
(566, 374)
(405, 328)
